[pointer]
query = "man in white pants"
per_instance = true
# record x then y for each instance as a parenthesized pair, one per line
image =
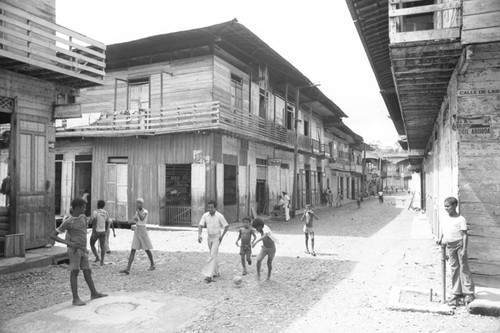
(286, 199)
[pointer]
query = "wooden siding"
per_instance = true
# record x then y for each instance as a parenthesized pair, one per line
(31, 209)
(145, 155)
(480, 21)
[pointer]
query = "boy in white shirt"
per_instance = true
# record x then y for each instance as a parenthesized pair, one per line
(454, 237)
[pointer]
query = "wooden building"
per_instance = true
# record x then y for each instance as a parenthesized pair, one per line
(437, 65)
(209, 113)
(42, 66)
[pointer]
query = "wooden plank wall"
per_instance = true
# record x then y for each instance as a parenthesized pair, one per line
(144, 157)
(478, 153)
(480, 21)
(34, 98)
(190, 83)
(45, 9)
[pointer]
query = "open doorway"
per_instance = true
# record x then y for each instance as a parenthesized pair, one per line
(83, 179)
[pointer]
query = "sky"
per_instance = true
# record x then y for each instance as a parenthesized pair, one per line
(318, 37)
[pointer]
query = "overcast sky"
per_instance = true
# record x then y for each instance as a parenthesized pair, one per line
(317, 36)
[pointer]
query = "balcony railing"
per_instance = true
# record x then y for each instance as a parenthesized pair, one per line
(37, 47)
(425, 22)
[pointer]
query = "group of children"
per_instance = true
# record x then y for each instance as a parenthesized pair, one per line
(454, 237)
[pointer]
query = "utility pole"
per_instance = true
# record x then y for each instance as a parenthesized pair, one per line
(295, 194)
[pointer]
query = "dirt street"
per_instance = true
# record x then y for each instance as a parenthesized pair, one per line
(361, 254)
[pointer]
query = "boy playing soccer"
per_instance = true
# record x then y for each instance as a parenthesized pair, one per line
(268, 246)
(246, 233)
(308, 227)
(100, 224)
(76, 239)
(454, 237)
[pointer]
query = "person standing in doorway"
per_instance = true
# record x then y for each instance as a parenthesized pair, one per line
(286, 199)
(330, 196)
(217, 227)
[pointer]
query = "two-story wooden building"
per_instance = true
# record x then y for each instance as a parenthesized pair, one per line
(437, 65)
(209, 113)
(42, 66)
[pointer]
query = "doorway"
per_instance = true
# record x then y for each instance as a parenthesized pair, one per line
(260, 196)
(178, 194)
(83, 180)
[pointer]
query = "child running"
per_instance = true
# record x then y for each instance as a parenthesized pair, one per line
(141, 238)
(75, 227)
(308, 227)
(268, 246)
(245, 234)
(100, 223)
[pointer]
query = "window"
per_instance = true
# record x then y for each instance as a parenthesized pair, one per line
(263, 101)
(138, 92)
(230, 185)
(306, 126)
(117, 160)
(236, 92)
(289, 118)
(260, 161)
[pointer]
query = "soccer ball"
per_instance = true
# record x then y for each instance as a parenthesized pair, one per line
(237, 280)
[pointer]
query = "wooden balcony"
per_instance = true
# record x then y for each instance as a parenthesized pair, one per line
(409, 21)
(39, 48)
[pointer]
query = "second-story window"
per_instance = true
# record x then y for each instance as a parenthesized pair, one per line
(306, 126)
(236, 92)
(263, 101)
(138, 94)
(289, 118)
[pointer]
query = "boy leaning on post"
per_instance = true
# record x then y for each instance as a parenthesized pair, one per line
(454, 237)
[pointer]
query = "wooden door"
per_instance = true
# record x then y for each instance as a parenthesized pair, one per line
(116, 193)
(32, 211)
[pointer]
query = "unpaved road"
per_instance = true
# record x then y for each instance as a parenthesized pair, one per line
(362, 254)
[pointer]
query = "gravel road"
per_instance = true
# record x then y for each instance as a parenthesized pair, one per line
(362, 253)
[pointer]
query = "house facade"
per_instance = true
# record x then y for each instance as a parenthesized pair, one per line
(437, 67)
(210, 113)
(42, 66)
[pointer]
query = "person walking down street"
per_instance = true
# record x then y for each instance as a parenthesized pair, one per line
(380, 196)
(286, 199)
(100, 223)
(217, 227)
(358, 200)
(339, 199)
(330, 196)
(76, 239)
(268, 246)
(141, 237)
(324, 198)
(307, 218)
(454, 237)
(245, 234)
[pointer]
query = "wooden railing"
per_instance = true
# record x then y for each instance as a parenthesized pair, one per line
(28, 39)
(187, 118)
(424, 22)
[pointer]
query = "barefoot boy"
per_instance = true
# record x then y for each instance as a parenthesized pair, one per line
(454, 237)
(308, 227)
(268, 246)
(76, 239)
(246, 233)
(100, 223)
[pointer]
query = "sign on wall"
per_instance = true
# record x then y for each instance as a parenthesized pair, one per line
(474, 125)
(67, 111)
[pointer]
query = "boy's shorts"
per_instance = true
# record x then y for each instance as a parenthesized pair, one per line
(266, 251)
(78, 259)
(98, 235)
(245, 249)
(308, 230)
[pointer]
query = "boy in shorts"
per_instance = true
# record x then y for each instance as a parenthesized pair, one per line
(308, 227)
(100, 223)
(245, 234)
(76, 239)
(268, 246)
